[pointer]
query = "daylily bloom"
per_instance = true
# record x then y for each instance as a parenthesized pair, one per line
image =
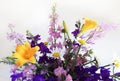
(25, 53)
(89, 24)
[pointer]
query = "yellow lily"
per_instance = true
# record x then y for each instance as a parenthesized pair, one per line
(89, 24)
(25, 53)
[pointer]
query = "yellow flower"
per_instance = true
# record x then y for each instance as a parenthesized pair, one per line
(56, 54)
(65, 27)
(25, 53)
(81, 41)
(117, 63)
(89, 24)
(45, 43)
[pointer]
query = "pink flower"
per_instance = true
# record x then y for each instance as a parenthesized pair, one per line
(68, 78)
(59, 28)
(60, 71)
(59, 45)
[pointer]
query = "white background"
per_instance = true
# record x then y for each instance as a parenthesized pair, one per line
(33, 15)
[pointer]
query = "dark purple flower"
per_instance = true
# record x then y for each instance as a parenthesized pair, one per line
(117, 74)
(52, 79)
(34, 40)
(75, 43)
(93, 69)
(44, 48)
(76, 32)
(45, 59)
(39, 77)
(16, 76)
(105, 74)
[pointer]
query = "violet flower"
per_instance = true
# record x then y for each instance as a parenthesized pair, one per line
(59, 71)
(76, 32)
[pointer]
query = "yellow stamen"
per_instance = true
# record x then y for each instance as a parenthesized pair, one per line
(56, 54)
(81, 41)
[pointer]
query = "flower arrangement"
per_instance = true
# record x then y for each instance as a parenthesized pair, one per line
(60, 58)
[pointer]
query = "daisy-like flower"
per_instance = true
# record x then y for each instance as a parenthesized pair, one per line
(116, 60)
(117, 63)
(25, 53)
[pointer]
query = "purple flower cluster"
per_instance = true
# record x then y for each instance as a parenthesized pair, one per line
(91, 74)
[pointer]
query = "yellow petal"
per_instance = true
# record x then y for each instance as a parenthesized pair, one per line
(32, 60)
(89, 24)
(21, 61)
(117, 63)
(25, 53)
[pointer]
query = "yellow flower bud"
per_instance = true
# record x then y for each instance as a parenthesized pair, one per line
(45, 43)
(65, 27)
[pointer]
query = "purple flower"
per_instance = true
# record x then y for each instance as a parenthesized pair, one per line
(52, 79)
(34, 40)
(68, 78)
(11, 26)
(15, 36)
(14, 68)
(11, 36)
(105, 74)
(59, 45)
(117, 74)
(39, 77)
(28, 71)
(16, 76)
(45, 59)
(44, 48)
(60, 71)
(76, 32)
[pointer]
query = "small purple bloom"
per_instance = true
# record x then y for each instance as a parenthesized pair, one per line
(39, 77)
(76, 32)
(44, 48)
(60, 71)
(16, 76)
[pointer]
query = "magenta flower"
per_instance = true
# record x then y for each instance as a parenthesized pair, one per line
(60, 71)
(68, 78)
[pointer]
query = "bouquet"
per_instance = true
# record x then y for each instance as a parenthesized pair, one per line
(62, 57)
